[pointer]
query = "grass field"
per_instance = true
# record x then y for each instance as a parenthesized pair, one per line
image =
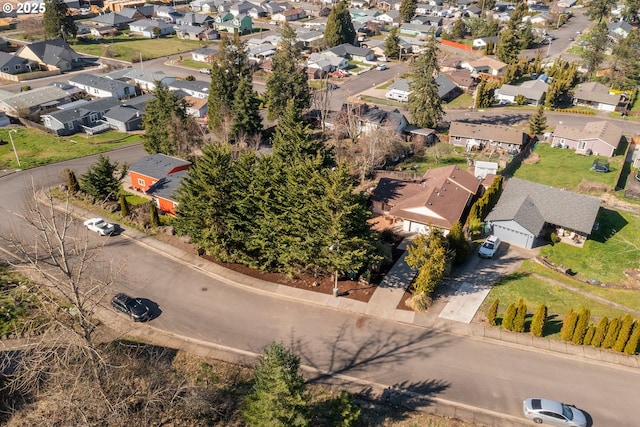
(130, 48)
(562, 168)
(612, 249)
(36, 148)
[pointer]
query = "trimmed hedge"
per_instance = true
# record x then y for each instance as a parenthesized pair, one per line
(492, 314)
(568, 325)
(539, 319)
(509, 315)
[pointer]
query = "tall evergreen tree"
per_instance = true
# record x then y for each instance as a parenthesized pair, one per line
(392, 44)
(538, 121)
(288, 81)
(538, 321)
(626, 66)
(227, 69)
(57, 20)
(339, 28)
(594, 53)
(508, 47)
(162, 114)
(408, 9)
(279, 396)
(425, 104)
(102, 180)
(245, 111)
(458, 243)
(600, 9)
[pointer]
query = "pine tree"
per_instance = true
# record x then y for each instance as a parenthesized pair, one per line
(520, 317)
(631, 347)
(458, 242)
(72, 180)
(539, 320)
(624, 334)
(584, 316)
(408, 9)
(162, 113)
(339, 28)
(509, 316)
(508, 47)
(594, 53)
(538, 121)
(428, 255)
(588, 336)
(288, 81)
(102, 180)
(245, 111)
(425, 104)
(279, 396)
(492, 313)
(612, 333)
(568, 325)
(345, 412)
(392, 44)
(601, 331)
(57, 20)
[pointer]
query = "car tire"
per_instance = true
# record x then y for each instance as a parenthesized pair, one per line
(537, 420)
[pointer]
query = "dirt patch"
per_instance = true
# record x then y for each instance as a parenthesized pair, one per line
(592, 187)
(531, 159)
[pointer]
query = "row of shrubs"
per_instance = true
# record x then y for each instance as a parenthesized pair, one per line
(618, 334)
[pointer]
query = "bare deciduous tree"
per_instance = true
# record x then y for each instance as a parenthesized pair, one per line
(321, 102)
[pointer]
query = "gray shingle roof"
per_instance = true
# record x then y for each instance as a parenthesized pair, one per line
(96, 106)
(496, 133)
(98, 82)
(528, 203)
(122, 113)
(595, 92)
(157, 165)
(531, 89)
(167, 186)
(52, 51)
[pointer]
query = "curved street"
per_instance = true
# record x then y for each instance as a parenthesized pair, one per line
(483, 374)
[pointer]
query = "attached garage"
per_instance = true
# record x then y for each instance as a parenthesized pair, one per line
(514, 233)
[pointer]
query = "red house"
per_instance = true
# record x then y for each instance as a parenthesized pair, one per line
(159, 176)
(151, 169)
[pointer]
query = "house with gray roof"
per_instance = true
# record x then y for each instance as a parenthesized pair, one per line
(145, 80)
(595, 95)
(400, 89)
(352, 52)
(151, 169)
(12, 64)
(138, 12)
(146, 28)
(474, 136)
(124, 118)
(55, 54)
(103, 87)
(599, 138)
(534, 92)
(196, 20)
(84, 117)
(192, 32)
(193, 88)
(527, 212)
(204, 54)
(112, 19)
(164, 192)
(33, 102)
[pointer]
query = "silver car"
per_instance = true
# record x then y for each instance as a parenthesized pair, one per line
(553, 413)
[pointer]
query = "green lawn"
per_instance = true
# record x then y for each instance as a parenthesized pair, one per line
(463, 101)
(612, 249)
(563, 168)
(130, 48)
(36, 148)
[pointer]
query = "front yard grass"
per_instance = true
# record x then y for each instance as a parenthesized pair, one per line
(463, 101)
(609, 251)
(563, 168)
(37, 148)
(130, 48)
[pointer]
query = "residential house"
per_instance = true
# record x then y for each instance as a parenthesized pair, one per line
(147, 81)
(481, 43)
(195, 88)
(12, 64)
(124, 118)
(482, 169)
(33, 102)
(241, 24)
(196, 20)
(372, 119)
(389, 4)
(534, 92)
(289, 15)
(104, 31)
(400, 89)
(473, 12)
(619, 30)
(543, 18)
(474, 136)
(192, 32)
(197, 5)
(150, 169)
(151, 28)
(442, 198)
(596, 95)
(55, 54)
(167, 14)
(138, 12)
(241, 8)
(80, 116)
(418, 30)
(462, 78)
(352, 52)
(391, 17)
(485, 65)
(112, 20)
(527, 212)
(103, 87)
(260, 52)
(164, 192)
(204, 54)
(326, 63)
(196, 107)
(599, 138)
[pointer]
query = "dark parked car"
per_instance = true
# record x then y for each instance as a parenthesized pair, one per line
(132, 307)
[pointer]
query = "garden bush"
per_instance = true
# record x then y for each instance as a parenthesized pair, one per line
(568, 325)
(584, 315)
(492, 314)
(601, 331)
(520, 317)
(588, 336)
(509, 315)
(624, 333)
(632, 345)
(612, 333)
(539, 319)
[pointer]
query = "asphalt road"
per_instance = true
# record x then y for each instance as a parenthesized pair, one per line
(461, 369)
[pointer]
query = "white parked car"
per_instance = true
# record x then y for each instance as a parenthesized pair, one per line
(553, 413)
(489, 247)
(100, 226)
(381, 67)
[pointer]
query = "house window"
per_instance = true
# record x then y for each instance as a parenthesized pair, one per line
(18, 67)
(126, 91)
(581, 145)
(93, 117)
(70, 126)
(5, 69)
(141, 182)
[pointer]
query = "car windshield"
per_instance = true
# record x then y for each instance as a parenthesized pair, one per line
(101, 224)
(488, 245)
(567, 412)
